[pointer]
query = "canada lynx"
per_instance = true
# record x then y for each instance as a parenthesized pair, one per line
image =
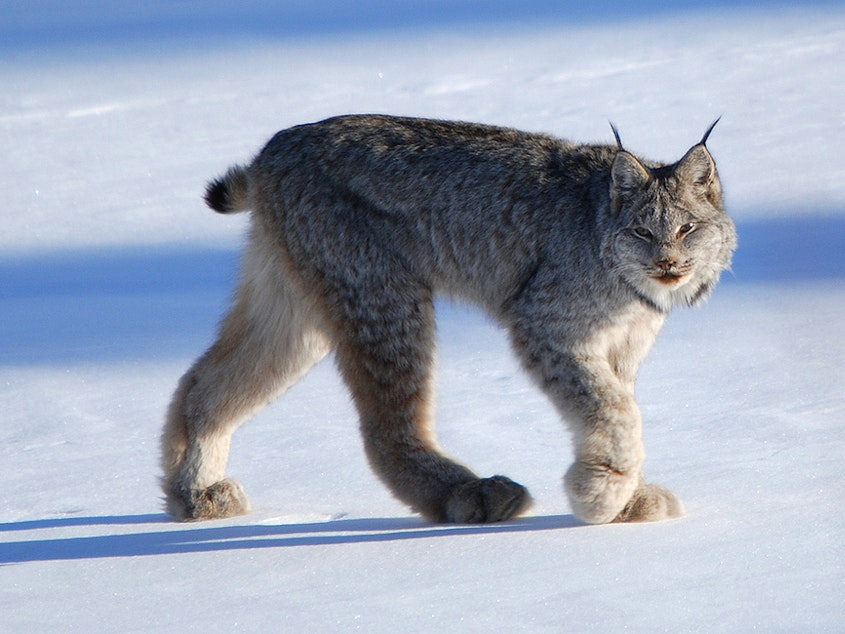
(579, 251)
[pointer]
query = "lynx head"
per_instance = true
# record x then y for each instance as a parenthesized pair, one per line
(672, 237)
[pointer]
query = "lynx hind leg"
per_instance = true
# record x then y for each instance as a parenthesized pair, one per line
(386, 356)
(493, 499)
(187, 498)
(267, 342)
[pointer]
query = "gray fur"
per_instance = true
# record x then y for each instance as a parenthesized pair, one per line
(579, 251)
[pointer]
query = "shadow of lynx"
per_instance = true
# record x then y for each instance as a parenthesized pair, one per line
(212, 539)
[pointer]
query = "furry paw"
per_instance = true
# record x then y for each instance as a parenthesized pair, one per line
(487, 500)
(226, 498)
(651, 503)
(597, 492)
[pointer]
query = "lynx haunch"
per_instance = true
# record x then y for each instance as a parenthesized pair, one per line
(578, 251)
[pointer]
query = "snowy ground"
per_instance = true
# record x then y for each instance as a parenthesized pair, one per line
(112, 277)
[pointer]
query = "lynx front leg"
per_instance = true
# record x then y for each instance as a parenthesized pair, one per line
(608, 456)
(386, 356)
(650, 503)
(605, 482)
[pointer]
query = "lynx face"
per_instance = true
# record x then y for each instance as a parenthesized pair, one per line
(673, 238)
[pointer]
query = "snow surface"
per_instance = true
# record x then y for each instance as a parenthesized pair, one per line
(113, 275)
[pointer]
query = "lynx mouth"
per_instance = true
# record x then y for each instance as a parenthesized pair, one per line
(669, 279)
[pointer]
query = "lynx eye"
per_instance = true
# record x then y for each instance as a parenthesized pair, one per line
(643, 233)
(685, 229)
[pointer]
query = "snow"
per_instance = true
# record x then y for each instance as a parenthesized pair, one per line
(114, 275)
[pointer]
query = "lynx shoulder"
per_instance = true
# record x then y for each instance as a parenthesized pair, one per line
(578, 250)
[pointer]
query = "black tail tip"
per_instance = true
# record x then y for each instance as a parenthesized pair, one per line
(217, 196)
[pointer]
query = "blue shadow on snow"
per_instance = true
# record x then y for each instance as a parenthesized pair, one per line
(135, 304)
(790, 249)
(55, 23)
(229, 538)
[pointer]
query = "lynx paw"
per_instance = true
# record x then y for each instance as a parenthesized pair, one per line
(222, 499)
(487, 500)
(598, 492)
(651, 503)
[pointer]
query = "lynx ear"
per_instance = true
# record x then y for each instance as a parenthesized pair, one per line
(697, 168)
(628, 174)
(697, 173)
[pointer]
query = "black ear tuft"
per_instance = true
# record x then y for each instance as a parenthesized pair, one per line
(709, 130)
(616, 136)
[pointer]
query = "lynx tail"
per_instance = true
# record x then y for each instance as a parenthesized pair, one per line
(229, 194)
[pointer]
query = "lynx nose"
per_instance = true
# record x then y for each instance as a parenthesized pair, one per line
(665, 263)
